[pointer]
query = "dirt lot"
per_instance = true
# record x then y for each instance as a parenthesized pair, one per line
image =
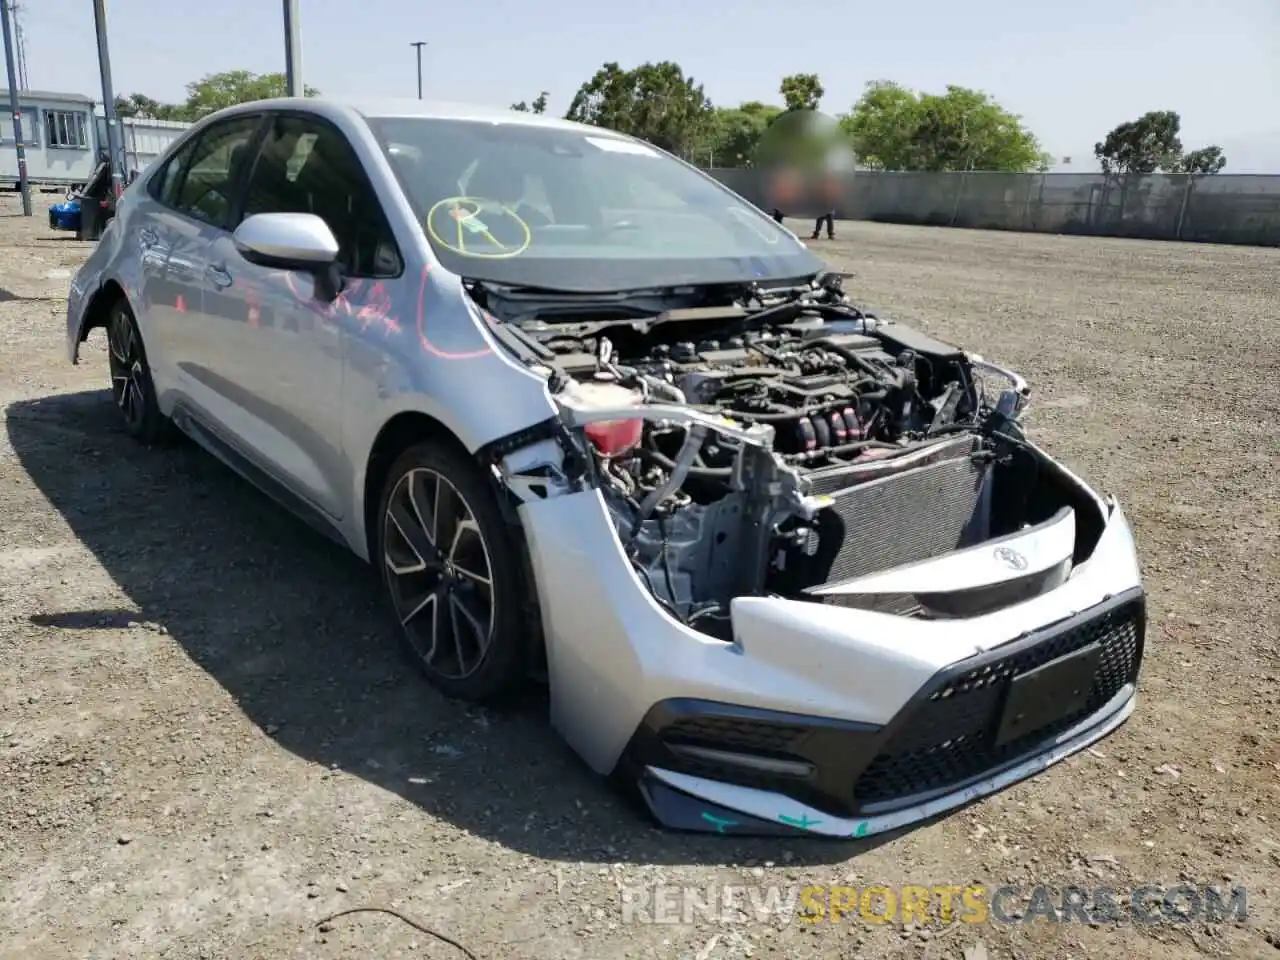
(208, 741)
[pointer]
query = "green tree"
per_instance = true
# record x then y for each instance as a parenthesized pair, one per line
(893, 128)
(1152, 144)
(217, 91)
(801, 91)
(1206, 160)
(965, 129)
(140, 105)
(1142, 146)
(735, 132)
(883, 125)
(539, 104)
(654, 101)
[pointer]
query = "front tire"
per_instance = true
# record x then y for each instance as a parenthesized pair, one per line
(131, 385)
(452, 574)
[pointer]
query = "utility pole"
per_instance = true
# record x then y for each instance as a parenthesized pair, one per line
(293, 49)
(20, 46)
(419, 44)
(15, 108)
(115, 155)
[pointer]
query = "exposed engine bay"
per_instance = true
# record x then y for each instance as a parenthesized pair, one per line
(792, 448)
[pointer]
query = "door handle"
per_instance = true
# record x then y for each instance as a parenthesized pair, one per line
(218, 275)
(148, 238)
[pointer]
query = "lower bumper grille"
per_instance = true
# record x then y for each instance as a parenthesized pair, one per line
(950, 736)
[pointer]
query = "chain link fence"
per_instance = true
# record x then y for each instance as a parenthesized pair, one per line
(1242, 209)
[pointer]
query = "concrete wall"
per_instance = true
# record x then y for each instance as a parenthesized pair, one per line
(1211, 209)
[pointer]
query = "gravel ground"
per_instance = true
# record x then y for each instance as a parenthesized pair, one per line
(208, 741)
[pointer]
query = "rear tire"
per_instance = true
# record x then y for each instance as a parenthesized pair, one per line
(131, 385)
(452, 574)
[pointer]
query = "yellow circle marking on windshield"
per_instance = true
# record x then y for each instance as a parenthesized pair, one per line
(465, 214)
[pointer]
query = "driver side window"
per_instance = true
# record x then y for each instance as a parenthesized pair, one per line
(207, 186)
(306, 165)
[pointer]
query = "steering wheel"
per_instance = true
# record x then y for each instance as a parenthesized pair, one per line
(465, 221)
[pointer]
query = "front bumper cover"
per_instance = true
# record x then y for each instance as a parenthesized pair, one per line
(721, 768)
(849, 679)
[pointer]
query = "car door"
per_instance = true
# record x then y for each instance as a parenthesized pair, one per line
(165, 277)
(290, 353)
(193, 210)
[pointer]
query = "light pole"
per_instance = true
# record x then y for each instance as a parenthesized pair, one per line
(114, 151)
(16, 108)
(419, 44)
(292, 49)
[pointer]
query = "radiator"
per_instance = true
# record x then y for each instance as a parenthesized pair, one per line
(922, 510)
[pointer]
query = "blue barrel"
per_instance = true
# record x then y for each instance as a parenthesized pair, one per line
(65, 215)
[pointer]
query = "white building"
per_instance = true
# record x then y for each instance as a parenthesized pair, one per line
(63, 134)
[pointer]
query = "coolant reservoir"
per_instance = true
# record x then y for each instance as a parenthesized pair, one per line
(597, 394)
(611, 438)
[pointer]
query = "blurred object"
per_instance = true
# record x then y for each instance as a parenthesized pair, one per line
(808, 164)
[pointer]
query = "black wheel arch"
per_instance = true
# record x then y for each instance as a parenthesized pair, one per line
(99, 308)
(411, 427)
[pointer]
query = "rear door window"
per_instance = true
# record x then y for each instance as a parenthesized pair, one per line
(208, 185)
(164, 185)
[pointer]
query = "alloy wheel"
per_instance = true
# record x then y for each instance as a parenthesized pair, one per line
(127, 370)
(438, 572)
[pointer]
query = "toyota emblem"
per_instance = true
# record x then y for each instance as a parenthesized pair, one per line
(1011, 558)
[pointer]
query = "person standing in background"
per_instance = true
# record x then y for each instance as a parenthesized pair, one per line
(830, 194)
(830, 218)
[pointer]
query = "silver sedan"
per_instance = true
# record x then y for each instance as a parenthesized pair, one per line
(787, 566)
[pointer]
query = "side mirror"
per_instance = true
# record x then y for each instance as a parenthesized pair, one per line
(287, 241)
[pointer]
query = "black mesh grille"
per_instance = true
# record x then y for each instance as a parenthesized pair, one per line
(728, 733)
(950, 737)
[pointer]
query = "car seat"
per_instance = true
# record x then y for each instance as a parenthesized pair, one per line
(495, 180)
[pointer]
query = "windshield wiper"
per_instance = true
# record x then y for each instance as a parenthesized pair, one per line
(639, 307)
(643, 309)
(525, 292)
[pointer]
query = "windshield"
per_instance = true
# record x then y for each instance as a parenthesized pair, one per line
(581, 210)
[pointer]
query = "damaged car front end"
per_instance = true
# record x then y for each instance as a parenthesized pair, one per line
(800, 569)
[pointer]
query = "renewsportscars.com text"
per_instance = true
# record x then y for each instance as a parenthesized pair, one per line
(969, 904)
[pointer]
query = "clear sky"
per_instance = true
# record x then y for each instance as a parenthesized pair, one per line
(1073, 70)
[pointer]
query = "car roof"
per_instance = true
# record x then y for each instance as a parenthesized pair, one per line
(407, 108)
